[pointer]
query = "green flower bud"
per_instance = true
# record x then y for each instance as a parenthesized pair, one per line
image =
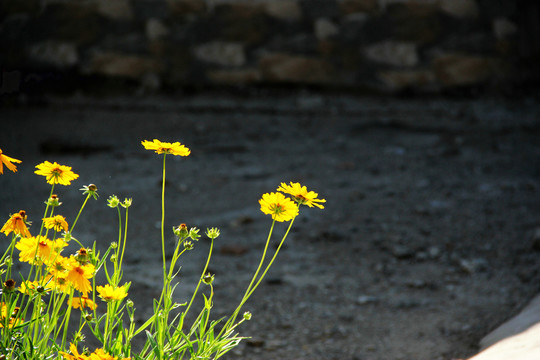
(212, 233)
(208, 279)
(53, 201)
(83, 256)
(113, 201)
(91, 190)
(188, 245)
(181, 230)
(127, 203)
(194, 234)
(247, 315)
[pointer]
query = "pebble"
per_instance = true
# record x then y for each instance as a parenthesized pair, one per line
(366, 299)
(402, 252)
(472, 266)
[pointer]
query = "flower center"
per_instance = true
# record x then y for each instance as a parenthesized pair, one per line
(56, 172)
(278, 209)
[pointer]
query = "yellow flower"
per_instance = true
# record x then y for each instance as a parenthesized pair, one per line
(280, 207)
(6, 160)
(58, 282)
(58, 266)
(29, 287)
(82, 302)
(56, 173)
(100, 354)
(78, 275)
(301, 195)
(57, 222)
(35, 250)
(166, 148)
(75, 356)
(13, 321)
(16, 224)
(108, 293)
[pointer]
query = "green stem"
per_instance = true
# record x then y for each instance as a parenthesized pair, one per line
(271, 261)
(115, 280)
(163, 221)
(198, 284)
(46, 209)
(263, 257)
(79, 214)
(124, 241)
(251, 287)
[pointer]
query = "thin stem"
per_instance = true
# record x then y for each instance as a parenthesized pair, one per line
(115, 280)
(271, 261)
(202, 275)
(163, 220)
(46, 209)
(79, 214)
(244, 298)
(198, 284)
(124, 241)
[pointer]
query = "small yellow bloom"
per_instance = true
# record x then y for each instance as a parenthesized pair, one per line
(6, 160)
(301, 195)
(166, 148)
(280, 207)
(75, 356)
(108, 293)
(10, 320)
(35, 250)
(58, 282)
(58, 266)
(29, 287)
(16, 224)
(56, 173)
(100, 354)
(57, 222)
(82, 302)
(78, 275)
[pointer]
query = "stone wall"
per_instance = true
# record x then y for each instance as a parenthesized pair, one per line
(382, 45)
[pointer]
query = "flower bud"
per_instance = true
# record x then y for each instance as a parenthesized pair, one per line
(91, 190)
(67, 236)
(181, 230)
(194, 234)
(88, 317)
(212, 233)
(114, 245)
(9, 285)
(208, 279)
(83, 256)
(53, 201)
(113, 201)
(247, 316)
(127, 203)
(188, 245)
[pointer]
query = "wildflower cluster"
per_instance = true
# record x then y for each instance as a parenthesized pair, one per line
(36, 307)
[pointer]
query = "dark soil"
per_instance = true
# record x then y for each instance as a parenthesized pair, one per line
(426, 243)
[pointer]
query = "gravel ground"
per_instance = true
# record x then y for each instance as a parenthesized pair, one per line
(429, 239)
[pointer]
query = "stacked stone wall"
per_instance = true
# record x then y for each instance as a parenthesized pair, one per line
(382, 45)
